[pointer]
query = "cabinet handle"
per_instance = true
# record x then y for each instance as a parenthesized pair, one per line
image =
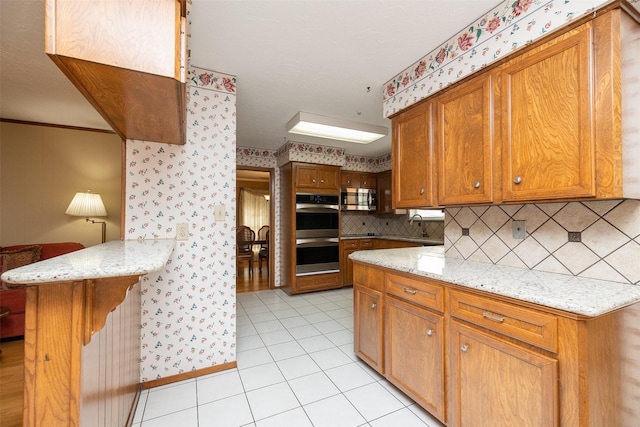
(517, 179)
(322, 181)
(374, 305)
(464, 347)
(476, 184)
(421, 191)
(410, 291)
(429, 332)
(492, 316)
(313, 180)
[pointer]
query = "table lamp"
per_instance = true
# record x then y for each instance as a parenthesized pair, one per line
(89, 205)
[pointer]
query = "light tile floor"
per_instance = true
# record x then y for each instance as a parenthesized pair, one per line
(296, 368)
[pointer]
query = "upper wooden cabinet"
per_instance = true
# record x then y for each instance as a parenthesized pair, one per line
(319, 177)
(127, 58)
(547, 114)
(411, 153)
(548, 123)
(464, 143)
(354, 179)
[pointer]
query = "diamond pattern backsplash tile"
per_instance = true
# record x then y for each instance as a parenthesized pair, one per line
(609, 248)
(361, 223)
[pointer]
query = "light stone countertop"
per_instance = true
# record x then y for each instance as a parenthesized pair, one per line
(589, 297)
(111, 259)
(423, 240)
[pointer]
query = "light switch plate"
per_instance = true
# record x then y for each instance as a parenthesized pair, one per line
(219, 212)
(182, 231)
(519, 230)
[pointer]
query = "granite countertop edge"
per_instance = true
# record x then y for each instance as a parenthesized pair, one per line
(424, 240)
(573, 294)
(112, 259)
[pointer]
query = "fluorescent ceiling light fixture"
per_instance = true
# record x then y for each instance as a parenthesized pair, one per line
(333, 128)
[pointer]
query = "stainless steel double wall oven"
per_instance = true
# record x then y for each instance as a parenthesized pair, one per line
(317, 233)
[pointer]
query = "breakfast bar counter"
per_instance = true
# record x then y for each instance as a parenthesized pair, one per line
(82, 332)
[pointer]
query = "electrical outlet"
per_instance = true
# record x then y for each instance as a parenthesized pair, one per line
(519, 230)
(182, 231)
(219, 212)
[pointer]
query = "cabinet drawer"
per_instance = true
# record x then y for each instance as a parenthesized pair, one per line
(418, 292)
(366, 244)
(349, 244)
(530, 326)
(368, 277)
(318, 281)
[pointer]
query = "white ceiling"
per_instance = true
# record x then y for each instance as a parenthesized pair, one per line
(328, 57)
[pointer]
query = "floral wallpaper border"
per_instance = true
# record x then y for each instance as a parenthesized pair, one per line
(368, 164)
(310, 153)
(506, 28)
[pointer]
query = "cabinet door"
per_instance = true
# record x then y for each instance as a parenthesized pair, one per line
(411, 158)
(328, 177)
(349, 179)
(546, 115)
(367, 180)
(495, 383)
(306, 176)
(384, 192)
(414, 358)
(347, 267)
(368, 326)
(464, 143)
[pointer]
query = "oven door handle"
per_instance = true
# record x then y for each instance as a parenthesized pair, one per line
(306, 208)
(321, 241)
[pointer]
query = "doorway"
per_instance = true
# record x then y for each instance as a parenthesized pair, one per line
(254, 209)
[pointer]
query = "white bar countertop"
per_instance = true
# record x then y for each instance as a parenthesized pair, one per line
(589, 297)
(112, 259)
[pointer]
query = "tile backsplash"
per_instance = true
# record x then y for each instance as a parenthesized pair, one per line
(599, 239)
(395, 225)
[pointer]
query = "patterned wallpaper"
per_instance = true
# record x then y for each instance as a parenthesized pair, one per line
(310, 153)
(188, 308)
(507, 27)
(605, 241)
(367, 164)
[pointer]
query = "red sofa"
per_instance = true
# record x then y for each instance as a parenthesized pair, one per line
(13, 324)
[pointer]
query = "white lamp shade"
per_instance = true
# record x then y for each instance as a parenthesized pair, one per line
(86, 205)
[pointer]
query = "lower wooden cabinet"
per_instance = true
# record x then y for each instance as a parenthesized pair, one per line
(368, 310)
(414, 357)
(347, 247)
(393, 244)
(498, 384)
(473, 358)
(317, 282)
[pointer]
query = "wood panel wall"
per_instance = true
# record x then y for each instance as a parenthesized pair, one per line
(82, 351)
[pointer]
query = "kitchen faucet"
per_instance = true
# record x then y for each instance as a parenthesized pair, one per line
(416, 215)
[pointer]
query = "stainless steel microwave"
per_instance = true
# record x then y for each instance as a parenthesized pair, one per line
(358, 199)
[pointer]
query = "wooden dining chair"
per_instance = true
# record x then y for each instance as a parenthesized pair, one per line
(264, 247)
(245, 237)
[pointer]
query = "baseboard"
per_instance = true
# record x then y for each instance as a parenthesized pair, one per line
(187, 375)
